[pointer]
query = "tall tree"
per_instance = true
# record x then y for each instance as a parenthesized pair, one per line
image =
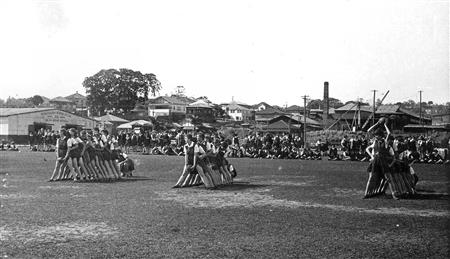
(319, 104)
(36, 100)
(119, 90)
(180, 91)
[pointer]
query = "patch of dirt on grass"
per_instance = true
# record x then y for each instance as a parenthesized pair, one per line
(255, 198)
(53, 187)
(281, 176)
(58, 233)
(343, 192)
(389, 237)
(286, 183)
(78, 195)
(17, 196)
(277, 180)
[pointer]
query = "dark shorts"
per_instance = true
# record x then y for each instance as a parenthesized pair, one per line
(114, 155)
(106, 155)
(62, 153)
(75, 153)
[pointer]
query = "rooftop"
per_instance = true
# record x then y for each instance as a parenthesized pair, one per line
(353, 107)
(5, 112)
(76, 95)
(61, 99)
(200, 103)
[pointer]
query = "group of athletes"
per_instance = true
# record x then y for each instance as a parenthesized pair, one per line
(96, 155)
(205, 163)
(386, 168)
(88, 156)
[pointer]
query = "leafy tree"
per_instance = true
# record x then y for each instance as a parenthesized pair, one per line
(219, 112)
(17, 103)
(180, 91)
(320, 104)
(119, 90)
(35, 100)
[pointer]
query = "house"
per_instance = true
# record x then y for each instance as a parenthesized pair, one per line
(62, 103)
(294, 109)
(261, 106)
(289, 124)
(350, 116)
(441, 119)
(172, 107)
(264, 116)
(399, 116)
(200, 110)
(110, 122)
(79, 100)
(239, 111)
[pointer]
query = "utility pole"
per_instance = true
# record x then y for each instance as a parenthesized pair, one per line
(304, 120)
(420, 108)
(373, 111)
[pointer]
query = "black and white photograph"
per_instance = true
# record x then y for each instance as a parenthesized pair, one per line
(225, 129)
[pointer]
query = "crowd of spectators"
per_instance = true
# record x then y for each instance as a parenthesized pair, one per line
(261, 145)
(8, 146)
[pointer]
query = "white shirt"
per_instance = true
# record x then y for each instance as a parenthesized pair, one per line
(73, 141)
(197, 149)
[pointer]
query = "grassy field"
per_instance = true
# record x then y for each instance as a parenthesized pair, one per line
(276, 209)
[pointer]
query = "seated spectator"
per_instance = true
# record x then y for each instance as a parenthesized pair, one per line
(12, 146)
(333, 153)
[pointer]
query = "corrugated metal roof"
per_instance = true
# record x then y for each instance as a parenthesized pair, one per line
(410, 113)
(353, 107)
(5, 112)
(235, 106)
(269, 110)
(388, 109)
(261, 103)
(300, 118)
(173, 100)
(111, 118)
(61, 100)
(200, 103)
(76, 96)
(294, 107)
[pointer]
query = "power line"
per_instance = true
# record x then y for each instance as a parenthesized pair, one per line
(420, 108)
(304, 119)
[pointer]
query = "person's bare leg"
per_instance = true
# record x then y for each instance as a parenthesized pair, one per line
(205, 178)
(182, 178)
(76, 168)
(56, 170)
(86, 173)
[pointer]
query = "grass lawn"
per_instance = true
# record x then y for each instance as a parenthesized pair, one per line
(275, 209)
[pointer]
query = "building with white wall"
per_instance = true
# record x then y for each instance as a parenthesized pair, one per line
(168, 106)
(239, 111)
(16, 123)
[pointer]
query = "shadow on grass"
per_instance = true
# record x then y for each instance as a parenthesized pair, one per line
(122, 180)
(238, 186)
(430, 195)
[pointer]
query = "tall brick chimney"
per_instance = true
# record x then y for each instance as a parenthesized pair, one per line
(326, 104)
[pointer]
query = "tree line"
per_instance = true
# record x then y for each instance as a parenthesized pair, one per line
(119, 90)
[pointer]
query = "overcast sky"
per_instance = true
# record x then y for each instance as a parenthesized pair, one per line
(272, 51)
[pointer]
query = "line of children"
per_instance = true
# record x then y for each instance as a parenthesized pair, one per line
(385, 170)
(87, 156)
(205, 163)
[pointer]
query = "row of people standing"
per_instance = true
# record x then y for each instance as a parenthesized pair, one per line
(85, 156)
(43, 139)
(385, 169)
(205, 163)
